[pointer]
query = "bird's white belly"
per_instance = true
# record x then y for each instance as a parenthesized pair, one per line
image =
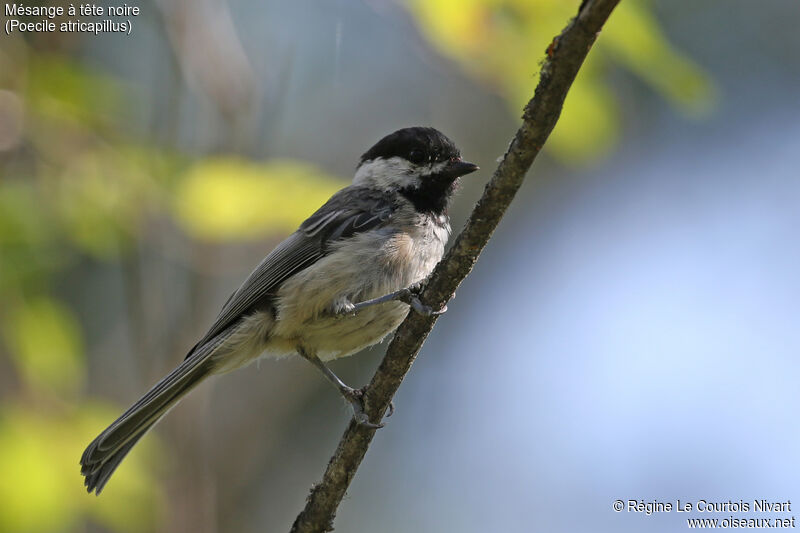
(333, 337)
(358, 270)
(364, 267)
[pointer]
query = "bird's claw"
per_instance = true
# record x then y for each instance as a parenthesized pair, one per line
(355, 397)
(344, 308)
(411, 297)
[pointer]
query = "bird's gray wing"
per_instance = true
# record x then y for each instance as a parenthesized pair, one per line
(350, 211)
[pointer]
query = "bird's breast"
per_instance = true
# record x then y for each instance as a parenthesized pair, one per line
(360, 268)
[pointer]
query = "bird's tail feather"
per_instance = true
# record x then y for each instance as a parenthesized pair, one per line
(105, 452)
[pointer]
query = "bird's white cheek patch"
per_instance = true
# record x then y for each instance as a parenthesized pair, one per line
(386, 174)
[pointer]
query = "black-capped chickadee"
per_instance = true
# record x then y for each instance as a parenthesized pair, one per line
(343, 281)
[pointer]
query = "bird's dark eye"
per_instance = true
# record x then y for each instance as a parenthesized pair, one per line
(416, 156)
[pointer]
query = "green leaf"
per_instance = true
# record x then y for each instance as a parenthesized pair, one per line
(46, 346)
(40, 488)
(60, 88)
(500, 43)
(225, 198)
(31, 492)
(634, 39)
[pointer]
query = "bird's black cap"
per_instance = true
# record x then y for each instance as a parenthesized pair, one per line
(417, 144)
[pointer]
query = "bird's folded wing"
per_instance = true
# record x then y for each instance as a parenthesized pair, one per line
(346, 214)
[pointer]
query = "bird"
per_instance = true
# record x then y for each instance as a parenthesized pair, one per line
(342, 282)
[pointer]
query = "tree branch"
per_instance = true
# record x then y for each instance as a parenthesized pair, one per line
(565, 56)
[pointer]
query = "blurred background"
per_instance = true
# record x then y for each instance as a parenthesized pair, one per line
(631, 331)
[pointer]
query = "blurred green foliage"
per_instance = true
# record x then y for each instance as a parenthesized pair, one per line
(499, 42)
(229, 198)
(40, 488)
(45, 345)
(74, 184)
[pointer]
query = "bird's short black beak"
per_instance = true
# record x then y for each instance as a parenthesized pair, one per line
(458, 167)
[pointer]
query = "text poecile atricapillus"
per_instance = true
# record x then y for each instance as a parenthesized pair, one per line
(342, 282)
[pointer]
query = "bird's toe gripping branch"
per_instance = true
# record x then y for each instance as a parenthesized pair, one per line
(355, 397)
(408, 295)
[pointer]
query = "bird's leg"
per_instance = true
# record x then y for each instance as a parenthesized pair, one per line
(355, 397)
(408, 295)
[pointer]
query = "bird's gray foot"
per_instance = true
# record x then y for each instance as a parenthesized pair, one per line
(355, 397)
(409, 295)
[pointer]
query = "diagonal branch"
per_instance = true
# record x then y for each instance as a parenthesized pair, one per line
(565, 56)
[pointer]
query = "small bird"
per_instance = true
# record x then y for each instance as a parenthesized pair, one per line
(340, 283)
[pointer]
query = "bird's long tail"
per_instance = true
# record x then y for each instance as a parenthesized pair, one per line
(106, 452)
